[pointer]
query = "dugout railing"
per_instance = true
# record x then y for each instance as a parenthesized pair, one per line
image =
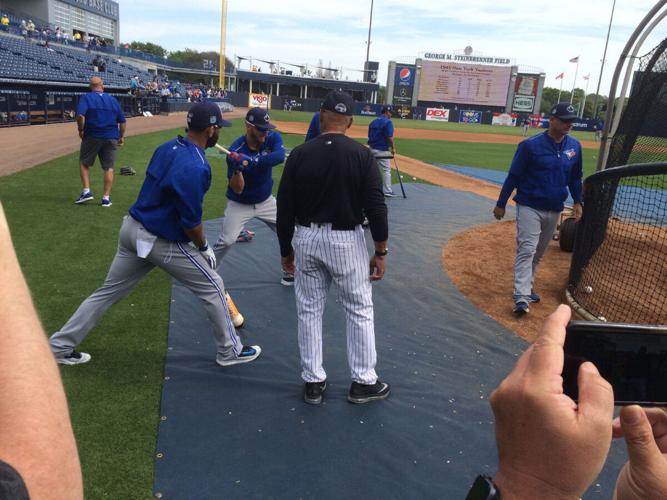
(619, 264)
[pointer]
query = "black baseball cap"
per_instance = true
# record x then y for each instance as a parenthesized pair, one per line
(206, 114)
(339, 102)
(564, 111)
(259, 117)
(386, 109)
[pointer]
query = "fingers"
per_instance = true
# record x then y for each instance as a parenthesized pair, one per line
(596, 397)
(642, 448)
(547, 356)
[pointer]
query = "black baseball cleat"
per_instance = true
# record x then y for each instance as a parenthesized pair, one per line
(312, 392)
(363, 393)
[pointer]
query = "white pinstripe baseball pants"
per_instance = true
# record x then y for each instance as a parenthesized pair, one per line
(324, 256)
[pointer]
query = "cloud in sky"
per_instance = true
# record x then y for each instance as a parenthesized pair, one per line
(540, 35)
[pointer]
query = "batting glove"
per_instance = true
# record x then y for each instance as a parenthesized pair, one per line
(239, 160)
(209, 255)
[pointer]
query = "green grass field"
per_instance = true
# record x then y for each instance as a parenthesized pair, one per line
(65, 251)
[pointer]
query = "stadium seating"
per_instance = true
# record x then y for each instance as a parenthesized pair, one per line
(27, 60)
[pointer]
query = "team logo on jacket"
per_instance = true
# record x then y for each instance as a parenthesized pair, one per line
(570, 153)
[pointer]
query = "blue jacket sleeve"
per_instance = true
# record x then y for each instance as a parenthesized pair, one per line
(314, 127)
(277, 154)
(83, 106)
(389, 129)
(517, 170)
(190, 187)
(575, 178)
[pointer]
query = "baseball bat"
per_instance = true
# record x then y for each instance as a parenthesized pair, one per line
(399, 177)
(227, 151)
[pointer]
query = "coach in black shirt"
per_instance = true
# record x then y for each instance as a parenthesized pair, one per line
(326, 184)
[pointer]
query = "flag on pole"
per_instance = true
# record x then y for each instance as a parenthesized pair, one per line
(560, 77)
(574, 59)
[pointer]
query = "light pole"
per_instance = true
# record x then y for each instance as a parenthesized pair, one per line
(368, 43)
(223, 34)
(604, 58)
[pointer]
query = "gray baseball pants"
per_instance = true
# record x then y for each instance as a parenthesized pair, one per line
(385, 169)
(534, 230)
(180, 260)
(324, 256)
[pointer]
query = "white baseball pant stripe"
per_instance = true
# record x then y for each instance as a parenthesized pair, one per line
(237, 216)
(181, 261)
(324, 256)
(385, 169)
(534, 231)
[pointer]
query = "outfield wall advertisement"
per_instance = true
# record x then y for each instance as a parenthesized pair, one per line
(437, 114)
(475, 84)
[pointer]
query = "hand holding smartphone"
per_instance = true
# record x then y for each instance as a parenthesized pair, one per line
(632, 358)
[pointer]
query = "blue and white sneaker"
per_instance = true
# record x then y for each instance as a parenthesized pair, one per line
(74, 358)
(533, 297)
(106, 202)
(83, 197)
(520, 308)
(248, 353)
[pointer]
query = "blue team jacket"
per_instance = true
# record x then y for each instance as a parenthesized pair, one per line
(177, 178)
(257, 175)
(542, 172)
(378, 131)
(102, 113)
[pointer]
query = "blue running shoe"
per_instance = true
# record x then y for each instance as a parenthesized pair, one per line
(520, 308)
(83, 197)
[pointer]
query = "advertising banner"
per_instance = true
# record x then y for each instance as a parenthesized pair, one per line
(504, 119)
(437, 114)
(368, 109)
(259, 101)
(523, 104)
(473, 84)
(526, 85)
(470, 116)
(404, 83)
(402, 111)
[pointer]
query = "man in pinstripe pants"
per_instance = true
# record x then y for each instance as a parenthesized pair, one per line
(164, 229)
(326, 184)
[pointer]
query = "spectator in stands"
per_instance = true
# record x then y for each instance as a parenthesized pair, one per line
(101, 129)
(103, 65)
(24, 28)
(31, 28)
(65, 38)
(77, 36)
(4, 22)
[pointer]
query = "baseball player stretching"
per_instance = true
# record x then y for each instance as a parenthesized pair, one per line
(381, 142)
(543, 168)
(161, 229)
(249, 170)
(326, 183)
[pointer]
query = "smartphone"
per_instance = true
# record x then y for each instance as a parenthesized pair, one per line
(632, 358)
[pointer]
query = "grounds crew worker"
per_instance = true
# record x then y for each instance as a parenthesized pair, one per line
(326, 184)
(164, 229)
(543, 168)
(381, 142)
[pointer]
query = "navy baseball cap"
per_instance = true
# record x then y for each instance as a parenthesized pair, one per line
(206, 114)
(339, 102)
(259, 117)
(386, 109)
(564, 111)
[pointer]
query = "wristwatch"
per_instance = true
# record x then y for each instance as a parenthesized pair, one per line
(382, 253)
(483, 489)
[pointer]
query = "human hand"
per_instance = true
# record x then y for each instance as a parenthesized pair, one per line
(81, 134)
(498, 212)
(240, 159)
(548, 445)
(288, 263)
(644, 476)
(209, 255)
(121, 141)
(578, 210)
(376, 268)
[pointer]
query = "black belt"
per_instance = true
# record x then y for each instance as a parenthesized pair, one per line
(335, 227)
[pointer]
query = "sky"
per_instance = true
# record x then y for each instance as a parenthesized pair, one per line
(537, 34)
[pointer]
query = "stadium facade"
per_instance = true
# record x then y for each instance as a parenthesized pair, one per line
(98, 18)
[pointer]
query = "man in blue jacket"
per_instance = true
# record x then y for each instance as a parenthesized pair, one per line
(250, 173)
(381, 142)
(101, 125)
(164, 229)
(544, 167)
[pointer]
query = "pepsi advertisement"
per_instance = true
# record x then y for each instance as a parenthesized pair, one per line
(404, 83)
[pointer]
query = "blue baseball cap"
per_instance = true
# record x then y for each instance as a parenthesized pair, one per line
(386, 109)
(564, 111)
(259, 118)
(206, 114)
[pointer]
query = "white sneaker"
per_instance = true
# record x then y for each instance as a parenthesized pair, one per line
(74, 358)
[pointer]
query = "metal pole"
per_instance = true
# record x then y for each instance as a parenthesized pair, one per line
(574, 84)
(581, 114)
(604, 56)
(223, 34)
(560, 90)
(368, 43)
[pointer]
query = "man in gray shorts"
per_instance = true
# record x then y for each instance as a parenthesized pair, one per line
(101, 125)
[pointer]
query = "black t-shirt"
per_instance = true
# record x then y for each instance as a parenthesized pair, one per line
(331, 178)
(12, 486)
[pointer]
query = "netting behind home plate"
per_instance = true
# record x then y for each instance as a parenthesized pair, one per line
(619, 264)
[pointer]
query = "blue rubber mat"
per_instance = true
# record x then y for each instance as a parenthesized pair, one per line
(244, 432)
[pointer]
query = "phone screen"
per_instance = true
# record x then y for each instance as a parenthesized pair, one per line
(632, 358)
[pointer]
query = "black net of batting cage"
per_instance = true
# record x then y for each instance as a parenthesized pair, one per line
(641, 136)
(619, 265)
